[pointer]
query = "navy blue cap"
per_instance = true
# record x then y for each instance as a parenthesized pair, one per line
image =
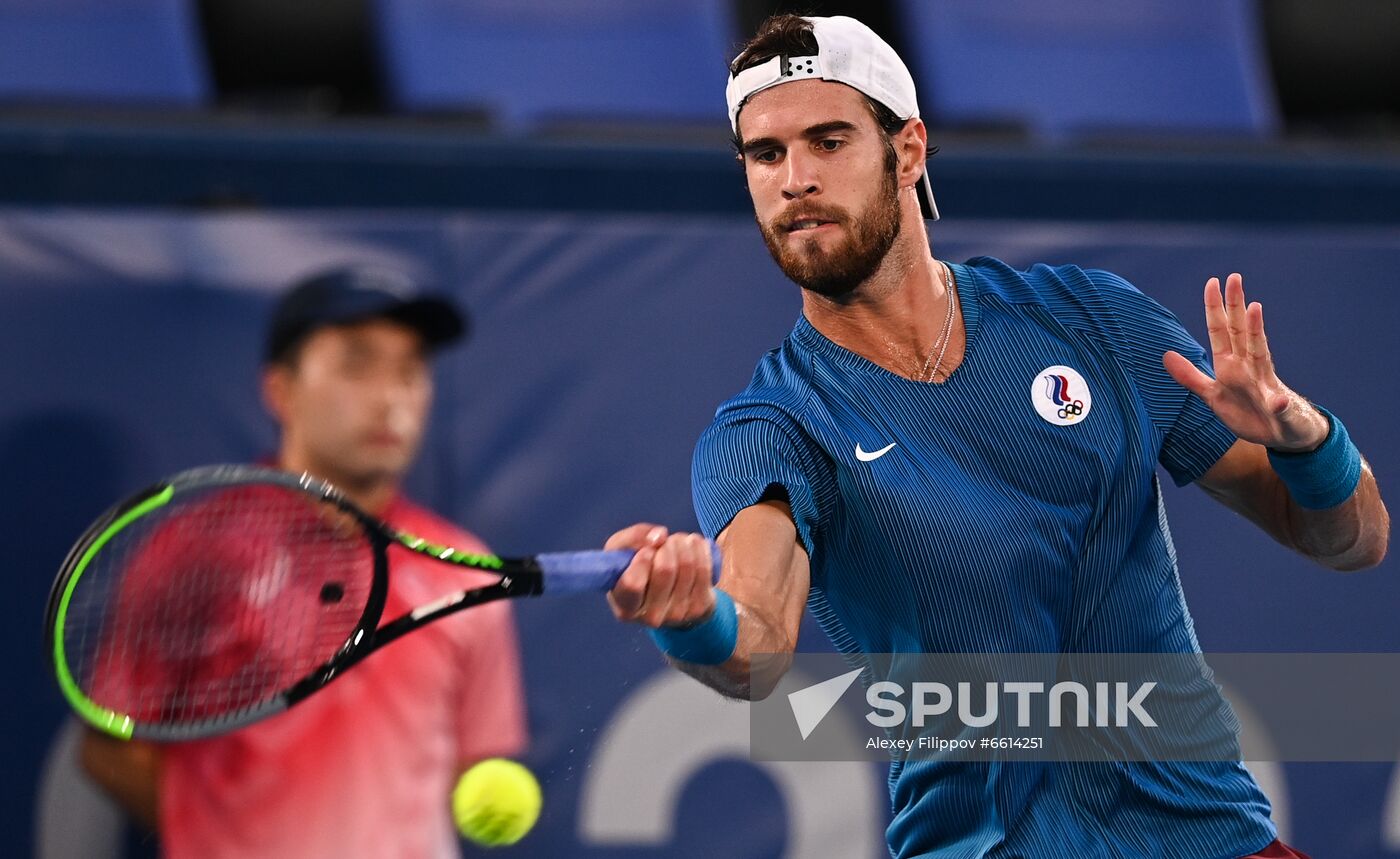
(347, 295)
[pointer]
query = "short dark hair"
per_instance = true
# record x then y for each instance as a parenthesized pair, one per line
(791, 35)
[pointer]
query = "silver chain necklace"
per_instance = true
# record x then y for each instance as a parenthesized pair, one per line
(945, 336)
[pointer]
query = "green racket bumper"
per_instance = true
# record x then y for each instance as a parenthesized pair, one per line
(447, 553)
(109, 721)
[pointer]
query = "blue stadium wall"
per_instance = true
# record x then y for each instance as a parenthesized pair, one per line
(619, 296)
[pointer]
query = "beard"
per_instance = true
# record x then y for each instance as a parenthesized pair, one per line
(836, 273)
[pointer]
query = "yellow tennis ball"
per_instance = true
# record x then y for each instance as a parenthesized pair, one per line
(496, 802)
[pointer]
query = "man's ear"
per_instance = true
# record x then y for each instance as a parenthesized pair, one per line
(911, 144)
(276, 387)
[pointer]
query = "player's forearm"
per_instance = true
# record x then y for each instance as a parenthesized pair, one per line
(128, 771)
(743, 676)
(1353, 535)
(766, 573)
(1331, 508)
(1351, 532)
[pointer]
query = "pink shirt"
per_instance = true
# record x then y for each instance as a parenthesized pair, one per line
(365, 767)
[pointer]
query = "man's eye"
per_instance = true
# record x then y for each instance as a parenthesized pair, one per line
(767, 156)
(829, 145)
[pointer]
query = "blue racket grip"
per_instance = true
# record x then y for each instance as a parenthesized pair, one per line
(596, 571)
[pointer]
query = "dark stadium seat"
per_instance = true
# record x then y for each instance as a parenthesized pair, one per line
(115, 52)
(531, 61)
(1090, 66)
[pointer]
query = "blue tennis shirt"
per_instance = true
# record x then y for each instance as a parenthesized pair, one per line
(1013, 508)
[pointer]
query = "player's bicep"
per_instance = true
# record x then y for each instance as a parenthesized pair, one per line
(766, 568)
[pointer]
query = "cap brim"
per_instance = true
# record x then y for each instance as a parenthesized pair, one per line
(436, 319)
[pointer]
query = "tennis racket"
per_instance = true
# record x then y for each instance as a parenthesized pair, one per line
(226, 594)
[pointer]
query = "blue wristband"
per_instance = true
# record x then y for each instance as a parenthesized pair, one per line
(1324, 477)
(710, 643)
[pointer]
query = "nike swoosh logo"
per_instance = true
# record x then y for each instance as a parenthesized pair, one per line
(874, 455)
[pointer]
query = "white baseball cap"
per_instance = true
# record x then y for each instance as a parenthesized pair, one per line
(848, 52)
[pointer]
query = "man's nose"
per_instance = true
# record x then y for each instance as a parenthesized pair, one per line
(801, 179)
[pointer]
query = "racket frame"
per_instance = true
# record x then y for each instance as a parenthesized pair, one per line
(518, 577)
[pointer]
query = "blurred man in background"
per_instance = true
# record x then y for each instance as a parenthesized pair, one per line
(366, 767)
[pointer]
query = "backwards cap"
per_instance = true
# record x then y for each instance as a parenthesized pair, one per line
(848, 52)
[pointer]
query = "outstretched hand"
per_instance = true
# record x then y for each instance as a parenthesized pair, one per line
(1246, 393)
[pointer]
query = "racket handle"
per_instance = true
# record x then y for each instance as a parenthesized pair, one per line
(596, 571)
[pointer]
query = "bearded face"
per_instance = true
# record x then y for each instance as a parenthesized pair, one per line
(802, 242)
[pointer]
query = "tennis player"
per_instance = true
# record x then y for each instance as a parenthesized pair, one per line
(960, 458)
(364, 768)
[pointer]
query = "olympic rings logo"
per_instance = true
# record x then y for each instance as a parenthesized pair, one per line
(1071, 410)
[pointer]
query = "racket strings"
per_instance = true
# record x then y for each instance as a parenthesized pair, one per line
(215, 603)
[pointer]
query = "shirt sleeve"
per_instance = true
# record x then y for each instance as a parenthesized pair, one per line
(743, 455)
(1192, 437)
